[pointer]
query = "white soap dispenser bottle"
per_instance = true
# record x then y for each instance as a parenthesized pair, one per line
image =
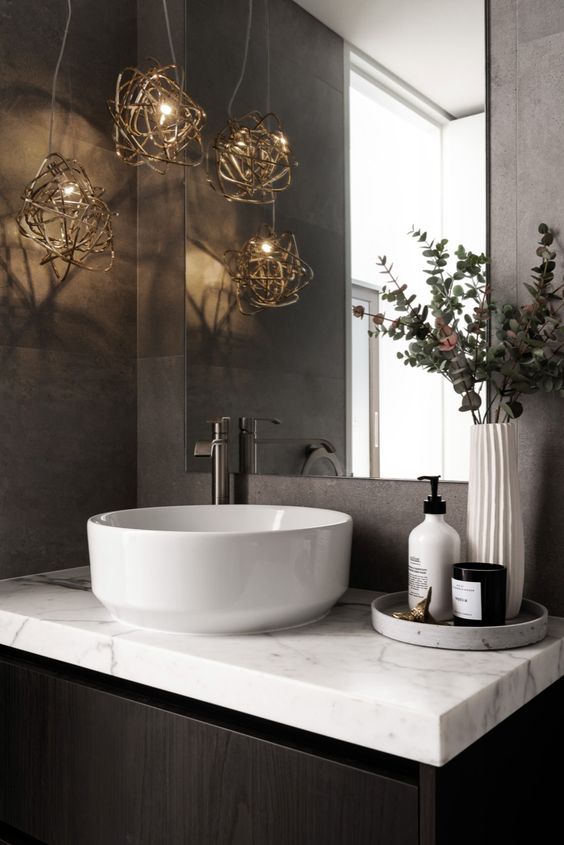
(433, 548)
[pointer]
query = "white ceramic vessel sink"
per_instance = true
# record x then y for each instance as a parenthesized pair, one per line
(218, 569)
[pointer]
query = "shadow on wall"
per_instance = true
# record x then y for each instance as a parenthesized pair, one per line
(217, 333)
(212, 301)
(33, 310)
(29, 311)
(27, 305)
(216, 329)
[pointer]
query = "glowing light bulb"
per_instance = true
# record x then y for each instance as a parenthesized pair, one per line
(68, 190)
(266, 247)
(166, 110)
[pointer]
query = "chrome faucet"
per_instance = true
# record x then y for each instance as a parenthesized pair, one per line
(218, 450)
(249, 442)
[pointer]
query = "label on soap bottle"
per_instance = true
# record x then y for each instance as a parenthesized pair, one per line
(418, 579)
(467, 599)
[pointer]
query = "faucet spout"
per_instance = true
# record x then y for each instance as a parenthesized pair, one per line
(205, 448)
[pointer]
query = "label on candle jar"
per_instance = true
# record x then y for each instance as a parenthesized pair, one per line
(467, 599)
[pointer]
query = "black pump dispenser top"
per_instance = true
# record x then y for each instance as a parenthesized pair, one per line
(434, 503)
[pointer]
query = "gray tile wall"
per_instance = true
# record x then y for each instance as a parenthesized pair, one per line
(527, 187)
(67, 352)
(160, 277)
(527, 176)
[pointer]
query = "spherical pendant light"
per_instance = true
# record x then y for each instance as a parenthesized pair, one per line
(267, 271)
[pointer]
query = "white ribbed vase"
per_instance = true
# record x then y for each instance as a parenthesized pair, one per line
(494, 531)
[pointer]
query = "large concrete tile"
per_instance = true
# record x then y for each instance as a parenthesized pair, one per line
(541, 469)
(152, 38)
(314, 48)
(101, 41)
(313, 114)
(527, 188)
(161, 265)
(67, 452)
(162, 479)
(540, 176)
(538, 18)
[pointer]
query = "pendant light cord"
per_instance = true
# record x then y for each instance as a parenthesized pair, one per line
(267, 38)
(56, 75)
(170, 43)
(245, 57)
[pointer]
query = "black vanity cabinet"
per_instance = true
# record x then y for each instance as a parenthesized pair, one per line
(89, 760)
(86, 760)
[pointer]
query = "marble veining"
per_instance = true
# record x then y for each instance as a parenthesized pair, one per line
(335, 677)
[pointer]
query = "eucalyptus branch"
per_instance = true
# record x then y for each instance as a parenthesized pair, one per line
(525, 355)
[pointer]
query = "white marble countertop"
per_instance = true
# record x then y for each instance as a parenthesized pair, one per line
(336, 677)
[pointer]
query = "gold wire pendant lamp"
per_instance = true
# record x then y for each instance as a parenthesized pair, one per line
(253, 157)
(267, 271)
(155, 121)
(62, 211)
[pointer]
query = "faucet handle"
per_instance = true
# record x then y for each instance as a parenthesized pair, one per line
(204, 448)
(220, 426)
(249, 424)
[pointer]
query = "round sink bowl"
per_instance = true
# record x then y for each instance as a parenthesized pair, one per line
(219, 569)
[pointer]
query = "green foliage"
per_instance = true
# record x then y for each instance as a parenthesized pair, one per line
(471, 340)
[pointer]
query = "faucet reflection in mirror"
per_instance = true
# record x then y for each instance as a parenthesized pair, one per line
(316, 449)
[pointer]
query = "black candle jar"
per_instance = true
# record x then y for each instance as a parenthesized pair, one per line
(478, 594)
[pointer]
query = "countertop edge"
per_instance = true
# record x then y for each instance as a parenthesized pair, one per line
(308, 700)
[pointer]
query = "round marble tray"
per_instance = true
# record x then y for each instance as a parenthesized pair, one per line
(529, 627)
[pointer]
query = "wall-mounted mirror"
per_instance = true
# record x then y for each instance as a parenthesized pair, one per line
(383, 106)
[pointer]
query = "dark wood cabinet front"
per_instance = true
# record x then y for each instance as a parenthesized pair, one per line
(84, 765)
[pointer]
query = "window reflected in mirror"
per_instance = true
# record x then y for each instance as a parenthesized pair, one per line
(411, 163)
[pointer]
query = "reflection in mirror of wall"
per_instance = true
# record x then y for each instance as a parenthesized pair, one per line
(387, 135)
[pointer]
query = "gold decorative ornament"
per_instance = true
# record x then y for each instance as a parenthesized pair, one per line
(64, 213)
(267, 271)
(253, 159)
(155, 121)
(420, 612)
